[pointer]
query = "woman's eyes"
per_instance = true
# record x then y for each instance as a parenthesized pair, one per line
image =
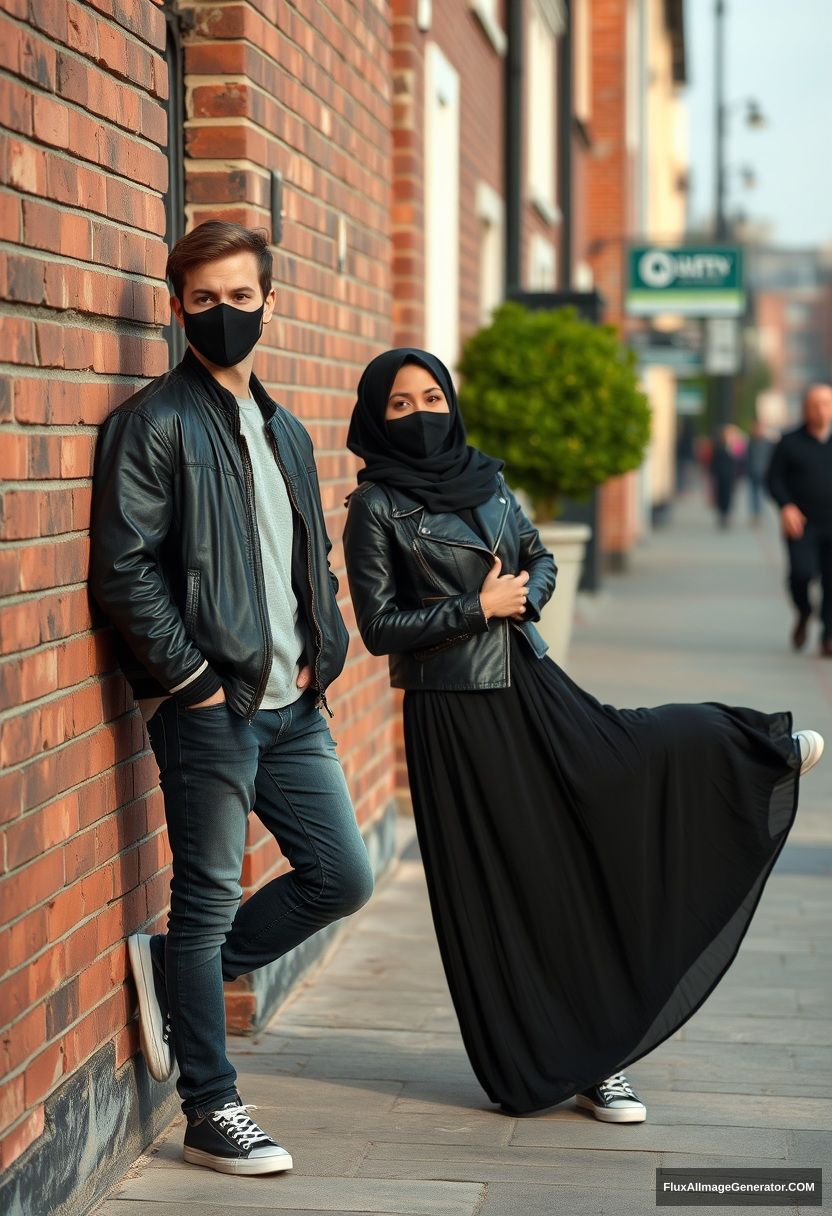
(406, 405)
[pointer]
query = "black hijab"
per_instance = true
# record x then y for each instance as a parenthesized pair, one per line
(454, 477)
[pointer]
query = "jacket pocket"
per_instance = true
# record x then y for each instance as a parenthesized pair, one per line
(192, 600)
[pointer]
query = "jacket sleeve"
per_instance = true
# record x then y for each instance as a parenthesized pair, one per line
(132, 504)
(535, 558)
(776, 480)
(385, 627)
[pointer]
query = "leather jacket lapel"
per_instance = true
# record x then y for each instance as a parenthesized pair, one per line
(449, 528)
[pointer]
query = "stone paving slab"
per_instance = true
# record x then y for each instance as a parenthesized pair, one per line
(280, 1191)
(363, 1075)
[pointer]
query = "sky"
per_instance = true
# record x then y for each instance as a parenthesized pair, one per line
(781, 55)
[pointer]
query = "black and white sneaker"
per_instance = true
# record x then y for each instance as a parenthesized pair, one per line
(154, 1019)
(613, 1101)
(230, 1141)
(810, 744)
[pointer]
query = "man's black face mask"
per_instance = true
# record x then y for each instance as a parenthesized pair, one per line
(224, 335)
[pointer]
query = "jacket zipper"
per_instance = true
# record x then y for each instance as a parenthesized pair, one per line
(461, 544)
(432, 579)
(258, 568)
(318, 632)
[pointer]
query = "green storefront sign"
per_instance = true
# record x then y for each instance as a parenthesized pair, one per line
(693, 280)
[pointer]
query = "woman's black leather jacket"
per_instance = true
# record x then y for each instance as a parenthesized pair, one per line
(415, 579)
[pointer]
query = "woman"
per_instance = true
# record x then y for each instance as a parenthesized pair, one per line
(591, 870)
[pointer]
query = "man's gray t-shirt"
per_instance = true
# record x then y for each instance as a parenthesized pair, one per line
(275, 523)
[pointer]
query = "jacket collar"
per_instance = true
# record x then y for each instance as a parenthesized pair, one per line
(450, 528)
(221, 397)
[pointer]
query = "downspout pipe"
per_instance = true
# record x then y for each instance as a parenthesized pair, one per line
(513, 151)
(565, 147)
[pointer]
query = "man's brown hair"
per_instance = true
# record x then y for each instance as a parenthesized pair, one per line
(217, 239)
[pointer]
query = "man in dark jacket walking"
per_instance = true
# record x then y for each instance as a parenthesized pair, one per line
(209, 556)
(800, 482)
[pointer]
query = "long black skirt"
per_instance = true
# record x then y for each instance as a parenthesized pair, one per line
(591, 870)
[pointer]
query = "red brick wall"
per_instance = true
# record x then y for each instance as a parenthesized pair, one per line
(84, 858)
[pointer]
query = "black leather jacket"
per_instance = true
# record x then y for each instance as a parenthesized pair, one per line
(415, 579)
(175, 559)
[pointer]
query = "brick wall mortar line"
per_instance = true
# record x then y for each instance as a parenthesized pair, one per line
(59, 99)
(70, 318)
(199, 81)
(92, 166)
(63, 259)
(94, 217)
(352, 69)
(69, 375)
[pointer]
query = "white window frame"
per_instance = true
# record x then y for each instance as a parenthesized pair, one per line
(486, 13)
(442, 172)
(490, 211)
(543, 263)
(541, 109)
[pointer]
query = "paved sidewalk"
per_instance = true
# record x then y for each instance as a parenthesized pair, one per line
(362, 1073)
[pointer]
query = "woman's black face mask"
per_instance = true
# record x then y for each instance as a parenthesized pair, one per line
(419, 434)
(224, 335)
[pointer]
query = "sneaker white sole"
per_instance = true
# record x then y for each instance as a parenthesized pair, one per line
(814, 749)
(632, 1114)
(157, 1053)
(234, 1165)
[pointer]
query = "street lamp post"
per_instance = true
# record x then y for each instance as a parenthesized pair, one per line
(754, 118)
(722, 384)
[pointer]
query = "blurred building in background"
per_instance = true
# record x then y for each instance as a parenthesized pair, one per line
(792, 326)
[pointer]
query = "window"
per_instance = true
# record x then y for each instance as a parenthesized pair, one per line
(542, 264)
(490, 213)
(441, 206)
(175, 197)
(541, 124)
(582, 44)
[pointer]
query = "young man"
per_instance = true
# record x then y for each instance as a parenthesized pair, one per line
(210, 558)
(800, 482)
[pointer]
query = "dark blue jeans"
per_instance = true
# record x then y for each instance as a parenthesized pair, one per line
(214, 768)
(810, 557)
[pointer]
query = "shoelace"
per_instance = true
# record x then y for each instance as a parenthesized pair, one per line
(241, 1128)
(617, 1086)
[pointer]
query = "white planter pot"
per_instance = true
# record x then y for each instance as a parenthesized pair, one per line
(567, 542)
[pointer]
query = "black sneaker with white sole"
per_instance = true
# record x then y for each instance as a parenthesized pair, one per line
(230, 1141)
(154, 1018)
(613, 1101)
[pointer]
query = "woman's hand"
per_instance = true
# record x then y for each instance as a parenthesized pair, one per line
(504, 595)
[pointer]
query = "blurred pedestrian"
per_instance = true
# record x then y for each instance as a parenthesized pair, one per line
(800, 482)
(757, 457)
(724, 467)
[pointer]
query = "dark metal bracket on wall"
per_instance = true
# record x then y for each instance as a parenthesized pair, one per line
(177, 22)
